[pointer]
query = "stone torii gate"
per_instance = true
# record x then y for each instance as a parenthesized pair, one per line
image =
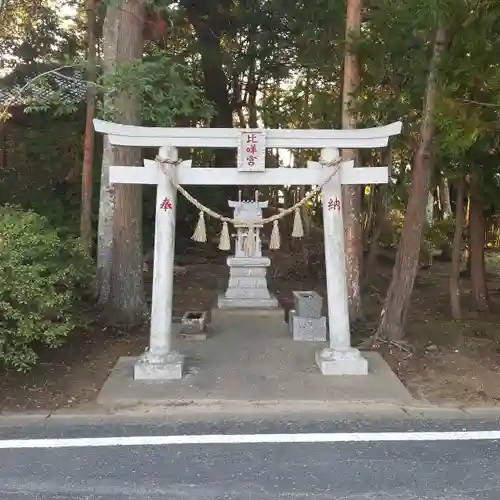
(160, 362)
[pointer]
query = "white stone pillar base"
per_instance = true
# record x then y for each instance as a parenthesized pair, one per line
(348, 361)
(159, 367)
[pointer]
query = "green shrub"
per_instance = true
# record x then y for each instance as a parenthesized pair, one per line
(41, 280)
(441, 233)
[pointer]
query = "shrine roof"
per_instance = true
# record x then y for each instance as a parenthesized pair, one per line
(66, 85)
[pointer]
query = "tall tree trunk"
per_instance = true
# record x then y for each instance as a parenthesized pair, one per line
(396, 304)
(480, 297)
(88, 149)
(111, 29)
(351, 195)
(208, 25)
(456, 310)
(126, 301)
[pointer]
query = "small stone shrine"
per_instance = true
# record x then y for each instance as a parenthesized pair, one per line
(305, 320)
(247, 286)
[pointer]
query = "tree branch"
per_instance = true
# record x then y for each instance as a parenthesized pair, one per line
(478, 103)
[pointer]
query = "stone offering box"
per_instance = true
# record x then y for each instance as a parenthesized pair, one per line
(307, 304)
(193, 325)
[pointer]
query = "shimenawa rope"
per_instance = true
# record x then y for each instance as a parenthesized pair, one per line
(199, 234)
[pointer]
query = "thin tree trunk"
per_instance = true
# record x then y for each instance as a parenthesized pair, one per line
(369, 217)
(381, 205)
(305, 123)
(429, 209)
(241, 118)
(252, 89)
(380, 213)
(466, 253)
(351, 195)
(396, 304)
(480, 299)
(88, 149)
(456, 310)
(427, 246)
(444, 192)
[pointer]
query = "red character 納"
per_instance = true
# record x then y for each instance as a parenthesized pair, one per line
(333, 204)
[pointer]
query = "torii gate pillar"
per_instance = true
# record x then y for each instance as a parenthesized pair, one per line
(339, 358)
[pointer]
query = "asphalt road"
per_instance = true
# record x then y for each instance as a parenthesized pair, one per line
(406, 470)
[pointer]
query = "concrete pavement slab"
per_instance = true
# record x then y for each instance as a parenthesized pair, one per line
(253, 359)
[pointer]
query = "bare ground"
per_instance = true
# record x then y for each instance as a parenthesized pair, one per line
(442, 361)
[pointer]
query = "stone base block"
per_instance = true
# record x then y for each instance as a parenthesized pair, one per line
(154, 367)
(196, 336)
(341, 362)
(235, 316)
(224, 302)
(307, 329)
(248, 262)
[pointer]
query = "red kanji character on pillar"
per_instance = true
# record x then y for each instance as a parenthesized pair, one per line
(333, 204)
(166, 204)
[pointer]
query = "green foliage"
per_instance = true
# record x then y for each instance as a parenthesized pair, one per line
(41, 277)
(390, 236)
(440, 234)
(469, 108)
(165, 88)
(437, 236)
(33, 32)
(41, 152)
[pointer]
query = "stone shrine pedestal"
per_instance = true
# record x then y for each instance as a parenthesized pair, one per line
(247, 287)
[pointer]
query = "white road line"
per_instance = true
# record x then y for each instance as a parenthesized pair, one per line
(340, 437)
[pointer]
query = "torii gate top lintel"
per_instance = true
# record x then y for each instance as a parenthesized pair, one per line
(131, 135)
